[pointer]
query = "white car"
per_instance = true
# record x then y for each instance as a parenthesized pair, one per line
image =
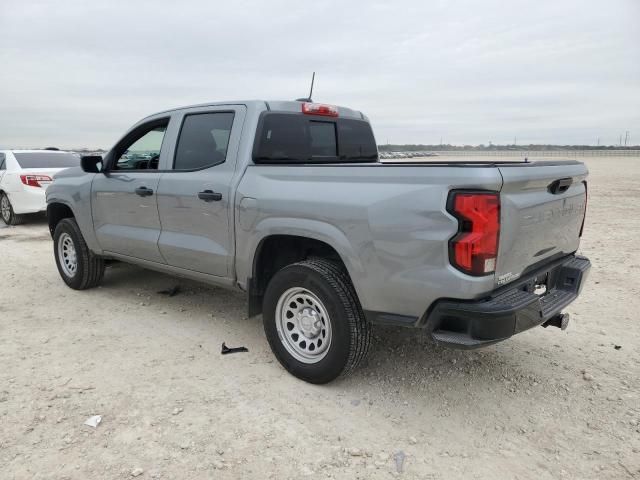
(24, 178)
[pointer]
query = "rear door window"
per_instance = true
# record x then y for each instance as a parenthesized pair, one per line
(47, 159)
(203, 141)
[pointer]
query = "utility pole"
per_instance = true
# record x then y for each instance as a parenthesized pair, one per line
(626, 138)
(598, 142)
(515, 142)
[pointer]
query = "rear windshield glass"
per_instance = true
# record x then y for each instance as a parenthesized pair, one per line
(296, 138)
(47, 159)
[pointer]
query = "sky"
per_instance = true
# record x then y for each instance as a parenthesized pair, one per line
(79, 74)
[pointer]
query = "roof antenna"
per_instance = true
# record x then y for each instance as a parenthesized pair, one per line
(308, 99)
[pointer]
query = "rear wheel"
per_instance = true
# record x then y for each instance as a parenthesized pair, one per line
(6, 211)
(78, 266)
(314, 322)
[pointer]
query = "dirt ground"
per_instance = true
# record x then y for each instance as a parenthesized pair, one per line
(544, 405)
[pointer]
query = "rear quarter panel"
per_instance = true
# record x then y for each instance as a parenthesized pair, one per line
(388, 223)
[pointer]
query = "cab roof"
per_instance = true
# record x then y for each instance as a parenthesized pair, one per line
(270, 105)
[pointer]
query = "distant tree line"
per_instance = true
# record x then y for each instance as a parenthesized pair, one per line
(495, 148)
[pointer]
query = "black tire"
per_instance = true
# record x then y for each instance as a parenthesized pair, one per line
(351, 333)
(89, 267)
(12, 218)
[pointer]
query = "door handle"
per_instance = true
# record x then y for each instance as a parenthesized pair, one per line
(144, 191)
(210, 196)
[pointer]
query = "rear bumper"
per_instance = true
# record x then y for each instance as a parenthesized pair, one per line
(28, 200)
(510, 309)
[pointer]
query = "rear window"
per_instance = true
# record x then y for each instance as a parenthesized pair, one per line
(296, 138)
(47, 159)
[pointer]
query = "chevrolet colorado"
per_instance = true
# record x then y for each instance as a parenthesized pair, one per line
(288, 202)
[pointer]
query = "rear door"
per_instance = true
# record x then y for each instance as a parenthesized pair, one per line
(542, 211)
(195, 197)
(124, 198)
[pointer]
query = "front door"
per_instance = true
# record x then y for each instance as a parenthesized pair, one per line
(195, 196)
(124, 198)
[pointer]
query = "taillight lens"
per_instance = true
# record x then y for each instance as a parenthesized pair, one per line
(584, 217)
(319, 109)
(34, 180)
(474, 249)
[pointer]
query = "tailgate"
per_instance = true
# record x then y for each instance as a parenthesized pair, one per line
(542, 210)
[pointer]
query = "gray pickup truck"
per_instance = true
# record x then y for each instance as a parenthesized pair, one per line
(288, 202)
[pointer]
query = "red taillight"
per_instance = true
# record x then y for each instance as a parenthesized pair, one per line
(474, 249)
(584, 217)
(319, 109)
(34, 180)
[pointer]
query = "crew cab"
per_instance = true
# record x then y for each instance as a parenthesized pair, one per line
(288, 201)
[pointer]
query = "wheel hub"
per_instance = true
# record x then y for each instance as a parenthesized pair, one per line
(67, 255)
(303, 325)
(309, 322)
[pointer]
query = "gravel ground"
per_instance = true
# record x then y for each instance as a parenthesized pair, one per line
(544, 405)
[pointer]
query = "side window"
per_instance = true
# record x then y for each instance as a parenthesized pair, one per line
(142, 150)
(203, 140)
(2, 162)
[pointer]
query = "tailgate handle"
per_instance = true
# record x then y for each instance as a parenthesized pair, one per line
(560, 186)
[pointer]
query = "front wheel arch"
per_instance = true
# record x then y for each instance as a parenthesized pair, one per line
(56, 212)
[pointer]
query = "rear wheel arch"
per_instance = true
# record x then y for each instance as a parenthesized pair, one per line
(275, 252)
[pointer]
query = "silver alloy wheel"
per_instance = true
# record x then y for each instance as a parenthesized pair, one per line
(303, 325)
(67, 255)
(5, 208)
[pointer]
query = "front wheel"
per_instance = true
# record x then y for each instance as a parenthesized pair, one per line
(314, 322)
(78, 266)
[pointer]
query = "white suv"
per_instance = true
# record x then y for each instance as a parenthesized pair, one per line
(24, 177)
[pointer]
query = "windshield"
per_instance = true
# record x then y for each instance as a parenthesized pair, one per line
(47, 159)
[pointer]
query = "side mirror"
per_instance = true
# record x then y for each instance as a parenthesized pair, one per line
(91, 163)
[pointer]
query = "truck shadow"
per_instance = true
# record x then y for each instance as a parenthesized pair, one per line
(400, 359)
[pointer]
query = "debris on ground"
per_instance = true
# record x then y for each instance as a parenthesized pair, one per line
(399, 457)
(170, 292)
(93, 421)
(617, 347)
(226, 350)
(136, 472)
